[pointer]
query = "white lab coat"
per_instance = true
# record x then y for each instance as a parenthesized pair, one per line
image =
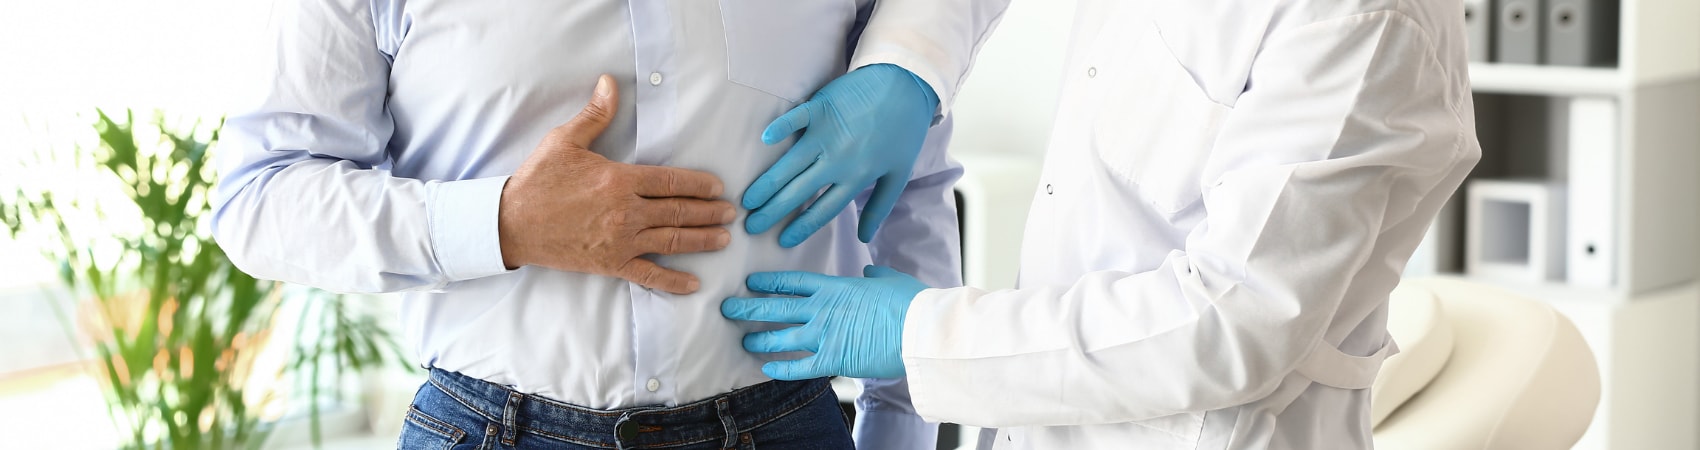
(1231, 191)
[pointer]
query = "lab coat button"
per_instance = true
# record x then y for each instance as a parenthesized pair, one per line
(655, 78)
(1091, 72)
(1048, 189)
(653, 385)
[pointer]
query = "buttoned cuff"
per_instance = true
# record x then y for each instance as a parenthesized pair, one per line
(464, 237)
(877, 429)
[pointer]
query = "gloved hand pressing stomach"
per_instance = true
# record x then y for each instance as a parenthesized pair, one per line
(864, 128)
(853, 325)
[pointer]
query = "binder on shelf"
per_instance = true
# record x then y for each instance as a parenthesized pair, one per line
(1478, 29)
(1581, 33)
(1591, 250)
(1515, 230)
(1517, 36)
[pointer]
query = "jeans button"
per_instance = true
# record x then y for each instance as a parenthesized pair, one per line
(626, 431)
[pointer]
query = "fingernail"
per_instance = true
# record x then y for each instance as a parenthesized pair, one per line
(725, 238)
(603, 87)
(728, 215)
(692, 285)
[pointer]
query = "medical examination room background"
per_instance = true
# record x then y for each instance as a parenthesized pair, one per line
(1585, 206)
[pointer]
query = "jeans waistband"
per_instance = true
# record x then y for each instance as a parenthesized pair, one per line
(721, 418)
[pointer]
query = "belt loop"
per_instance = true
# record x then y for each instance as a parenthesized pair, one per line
(510, 424)
(723, 406)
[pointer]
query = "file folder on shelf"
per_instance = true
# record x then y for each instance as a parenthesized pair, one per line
(1478, 29)
(1517, 32)
(1591, 246)
(1581, 33)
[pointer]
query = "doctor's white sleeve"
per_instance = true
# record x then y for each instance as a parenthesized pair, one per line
(920, 238)
(301, 198)
(936, 40)
(1348, 130)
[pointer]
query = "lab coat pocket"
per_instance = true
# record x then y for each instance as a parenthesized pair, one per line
(787, 48)
(1155, 126)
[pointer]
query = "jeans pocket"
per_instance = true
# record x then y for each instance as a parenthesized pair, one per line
(421, 431)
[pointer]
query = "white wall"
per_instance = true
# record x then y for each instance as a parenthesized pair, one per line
(1007, 103)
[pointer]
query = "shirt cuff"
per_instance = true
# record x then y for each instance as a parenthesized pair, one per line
(876, 429)
(464, 237)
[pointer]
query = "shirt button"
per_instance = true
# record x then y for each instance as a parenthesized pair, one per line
(1091, 72)
(653, 385)
(655, 78)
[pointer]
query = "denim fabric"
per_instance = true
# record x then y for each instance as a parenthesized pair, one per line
(454, 411)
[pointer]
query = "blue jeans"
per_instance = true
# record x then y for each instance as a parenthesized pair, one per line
(454, 411)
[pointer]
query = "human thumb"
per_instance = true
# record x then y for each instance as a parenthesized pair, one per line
(596, 115)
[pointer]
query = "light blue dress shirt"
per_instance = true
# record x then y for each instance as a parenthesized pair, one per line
(372, 152)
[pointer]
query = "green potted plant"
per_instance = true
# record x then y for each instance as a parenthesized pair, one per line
(176, 328)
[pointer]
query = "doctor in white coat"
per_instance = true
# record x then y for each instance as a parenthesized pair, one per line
(1231, 191)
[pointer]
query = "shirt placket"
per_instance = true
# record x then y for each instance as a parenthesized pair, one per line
(655, 361)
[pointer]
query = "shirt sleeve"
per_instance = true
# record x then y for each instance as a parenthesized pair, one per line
(920, 238)
(303, 196)
(935, 39)
(1322, 180)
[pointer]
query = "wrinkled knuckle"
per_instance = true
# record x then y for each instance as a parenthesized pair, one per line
(668, 178)
(596, 113)
(674, 243)
(680, 212)
(650, 276)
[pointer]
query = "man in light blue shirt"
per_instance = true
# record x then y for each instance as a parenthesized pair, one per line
(563, 282)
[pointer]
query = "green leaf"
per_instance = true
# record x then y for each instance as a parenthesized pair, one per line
(175, 264)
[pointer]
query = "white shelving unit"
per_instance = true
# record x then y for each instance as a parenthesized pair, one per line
(1546, 80)
(1642, 323)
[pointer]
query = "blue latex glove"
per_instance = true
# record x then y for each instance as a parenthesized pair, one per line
(864, 128)
(854, 325)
